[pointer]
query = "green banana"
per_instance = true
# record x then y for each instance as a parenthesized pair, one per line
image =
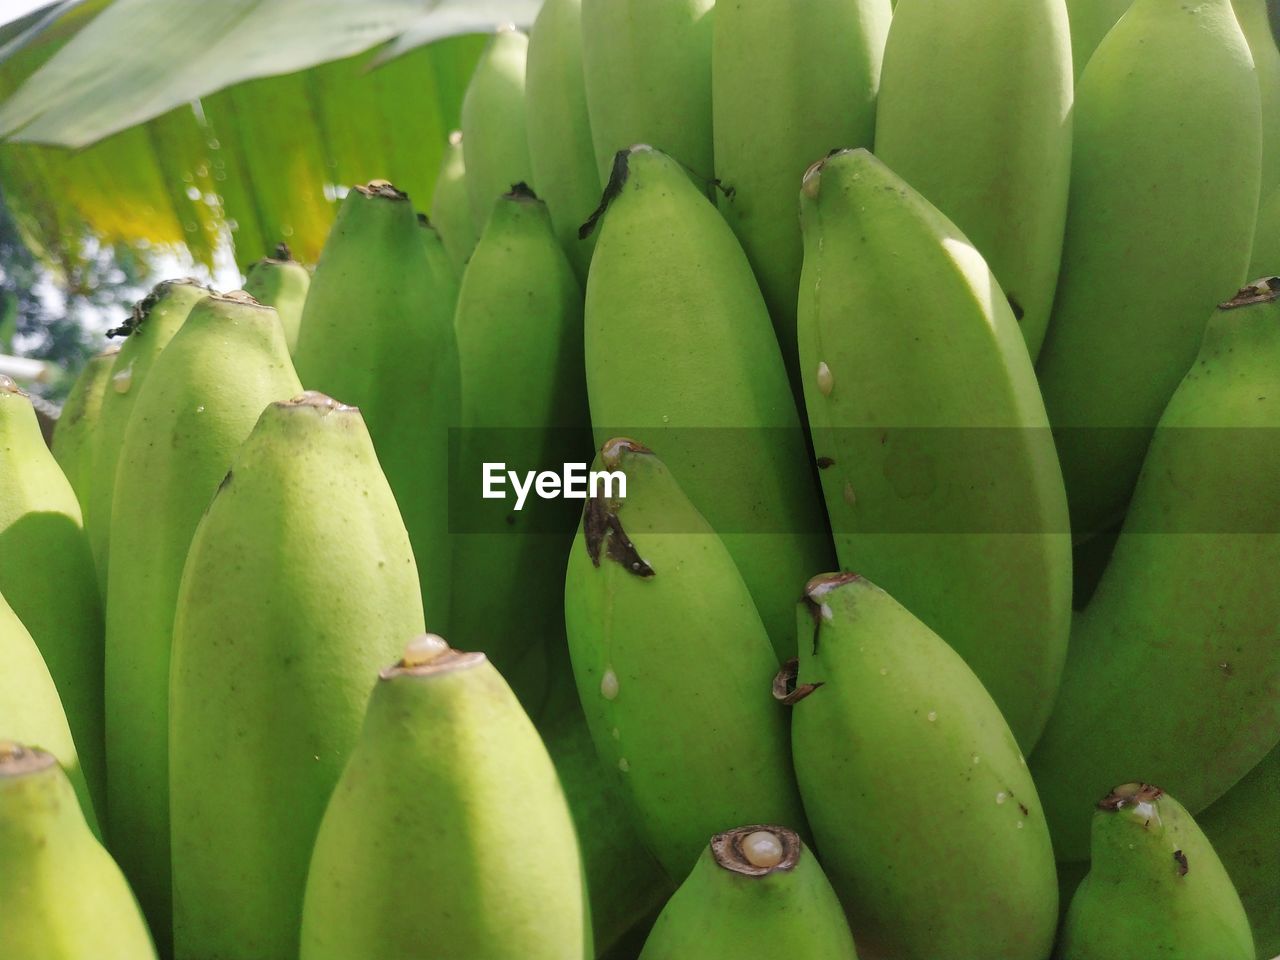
(630, 945)
(30, 708)
(494, 124)
(64, 897)
(281, 282)
(1091, 21)
(377, 333)
(1155, 887)
(1155, 235)
(451, 205)
(625, 884)
(1089, 561)
(1070, 876)
(438, 263)
(673, 665)
(46, 571)
(449, 799)
(560, 146)
(997, 160)
(155, 319)
(1242, 828)
(269, 650)
(200, 400)
(647, 65)
(519, 327)
(920, 394)
(681, 355)
(1256, 24)
(755, 892)
(927, 819)
(77, 425)
(1185, 614)
(820, 63)
(1266, 245)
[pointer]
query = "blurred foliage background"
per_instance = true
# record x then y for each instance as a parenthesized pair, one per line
(165, 140)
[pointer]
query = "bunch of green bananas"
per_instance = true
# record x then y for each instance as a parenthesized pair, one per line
(932, 412)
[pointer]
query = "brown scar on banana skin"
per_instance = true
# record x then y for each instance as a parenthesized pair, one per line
(602, 529)
(785, 689)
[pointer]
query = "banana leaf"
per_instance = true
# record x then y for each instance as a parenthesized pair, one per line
(185, 126)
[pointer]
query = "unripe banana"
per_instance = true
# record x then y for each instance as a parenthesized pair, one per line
(524, 402)
(1185, 615)
(77, 426)
(673, 664)
(1156, 235)
(156, 318)
(46, 572)
(625, 884)
(1070, 876)
(64, 897)
(451, 205)
(494, 125)
(1256, 25)
(1266, 244)
(938, 465)
(1091, 20)
(997, 160)
(1155, 887)
(377, 333)
(560, 147)
(681, 355)
(281, 282)
(269, 650)
(926, 816)
(647, 65)
(438, 263)
(820, 63)
(1089, 560)
(449, 800)
(30, 709)
(1242, 827)
(201, 399)
(756, 892)
(629, 947)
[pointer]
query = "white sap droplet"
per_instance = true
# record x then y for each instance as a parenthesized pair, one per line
(826, 382)
(933, 716)
(200, 409)
(976, 758)
(122, 380)
(1001, 797)
(617, 734)
(849, 496)
(623, 765)
(665, 418)
(1019, 824)
(423, 649)
(762, 849)
(884, 671)
(609, 685)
